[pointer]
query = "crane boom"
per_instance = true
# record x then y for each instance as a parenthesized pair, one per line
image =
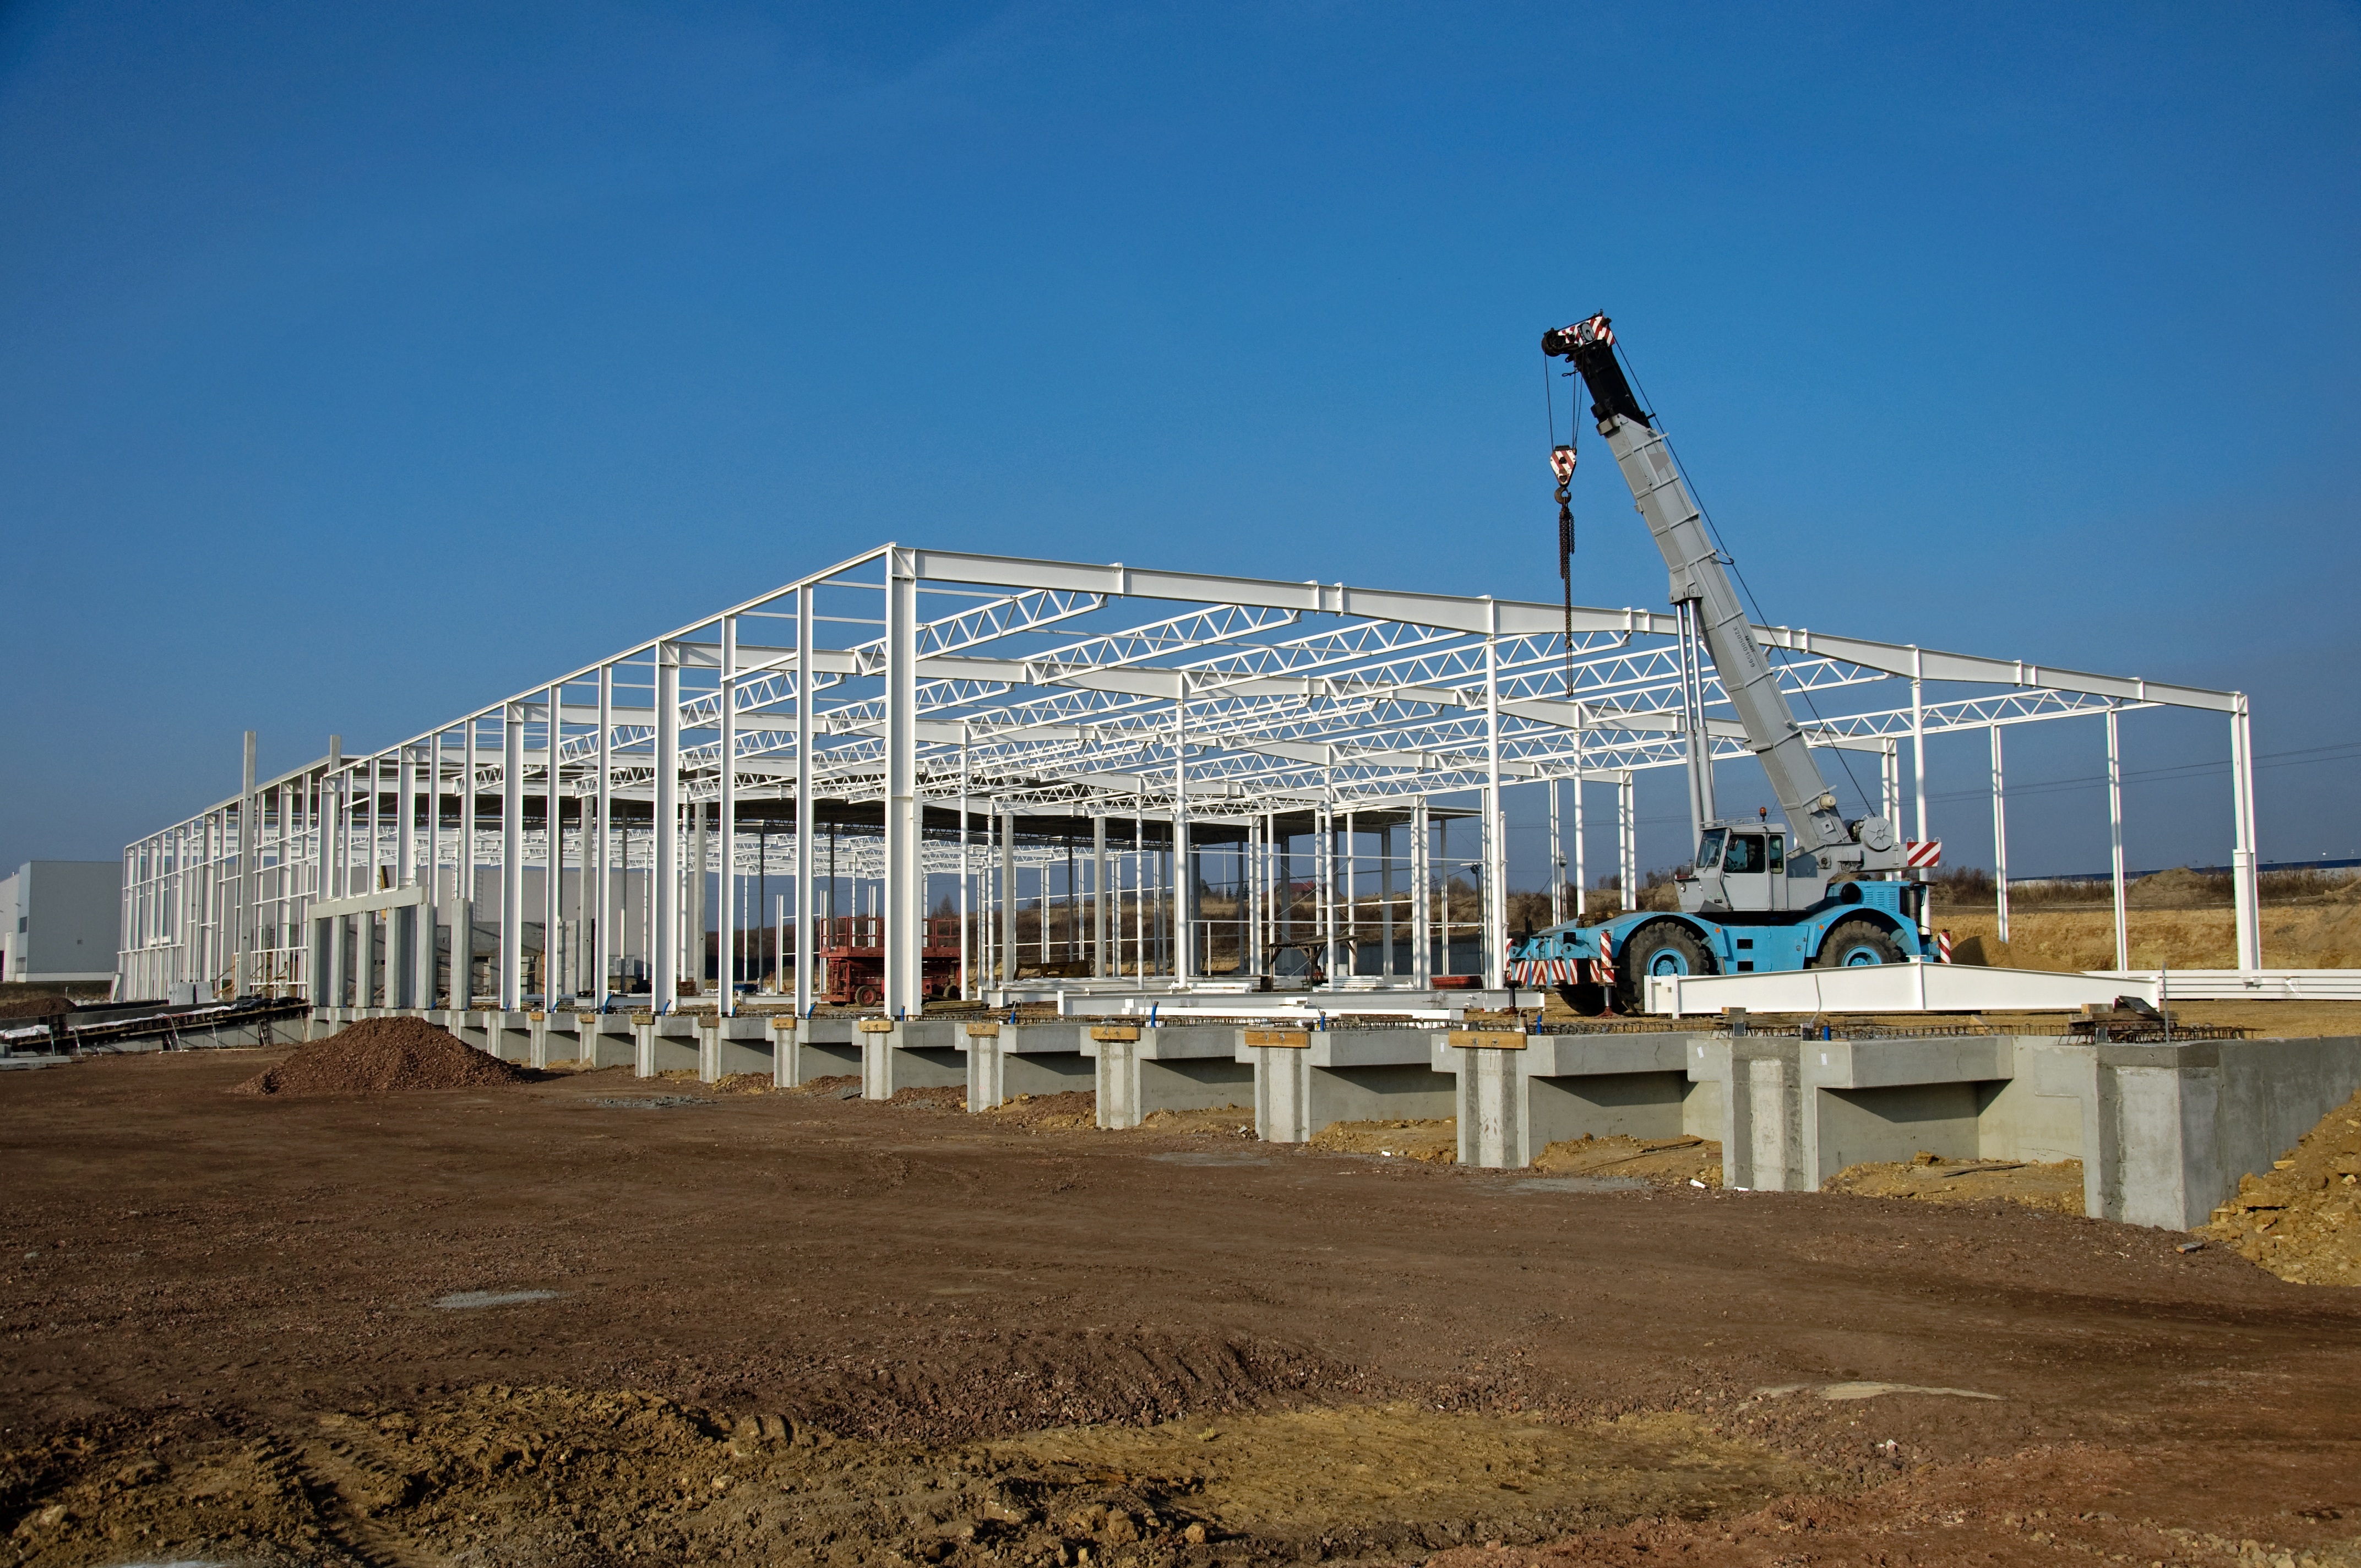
(1699, 577)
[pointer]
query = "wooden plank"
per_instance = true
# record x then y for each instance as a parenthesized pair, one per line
(1488, 1039)
(877, 1025)
(987, 1030)
(1115, 1032)
(1296, 1038)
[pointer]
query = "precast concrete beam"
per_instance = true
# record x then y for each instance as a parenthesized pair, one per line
(1141, 1070)
(1306, 1080)
(732, 1046)
(910, 1053)
(1005, 1060)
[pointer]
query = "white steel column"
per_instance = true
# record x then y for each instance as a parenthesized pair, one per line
(1098, 896)
(1324, 872)
(1184, 947)
(2115, 837)
(1421, 913)
(1581, 860)
(804, 935)
(1627, 842)
(512, 856)
(1008, 821)
(602, 942)
(552, 892)
(1918, 739)
(1557, 858)
(463, 942)
(405, 829)
(249, 848)
(1496, 848)
(967, 986)
(728, 939)
(2245, 893)
(663, 929)
(905, 876)
(2000, 840)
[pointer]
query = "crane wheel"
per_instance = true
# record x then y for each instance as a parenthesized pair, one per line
(1854, 943)
(1666, 948)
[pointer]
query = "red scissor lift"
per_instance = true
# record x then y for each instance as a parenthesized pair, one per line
(852, 959)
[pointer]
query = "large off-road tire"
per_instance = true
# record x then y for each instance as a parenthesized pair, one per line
(1857, 942)
(1664, 947)
(1587, 1000)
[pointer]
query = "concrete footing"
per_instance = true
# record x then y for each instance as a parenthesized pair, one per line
(1304, 1079)
(918, 1053)
(1168, 1068)
(1005, 1060)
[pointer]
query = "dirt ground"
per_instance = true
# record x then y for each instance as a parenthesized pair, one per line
(1670, 1161)
(2054, 1185)
(1435, 1142)
(588, 1320)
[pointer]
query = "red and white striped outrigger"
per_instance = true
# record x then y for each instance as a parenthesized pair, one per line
(1560, 971)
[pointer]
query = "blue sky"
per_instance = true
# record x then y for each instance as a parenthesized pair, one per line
(359, 365)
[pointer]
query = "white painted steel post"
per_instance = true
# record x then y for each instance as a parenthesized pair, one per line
(2000, 841)
(2115, 837)
(1496, 848)
(1006, 819)
(2246, 892)
(1351, 856)
(729, 937)
(1185, 950)
(512, 856)
(966, 968)
(405, 841)
(1098, 896)
(1581, 862)
(249, 848)
(1324, 870)
(1421, 909)
(905, 877)
(663, 930)
(805, 934)
(463, 943)
(1628, 837)
(1557, 858)
(553, 816)
(603, 946)
(1918, 738)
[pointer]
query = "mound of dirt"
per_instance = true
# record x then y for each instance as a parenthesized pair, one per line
(2055, 1186)
(2302, 1220)
(2178, 888)
(1665, 1161)
(1075, 1108)
(384, 1056)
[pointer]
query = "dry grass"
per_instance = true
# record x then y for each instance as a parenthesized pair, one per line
(2317, 936)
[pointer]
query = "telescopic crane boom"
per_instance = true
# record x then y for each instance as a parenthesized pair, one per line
(1698, 578)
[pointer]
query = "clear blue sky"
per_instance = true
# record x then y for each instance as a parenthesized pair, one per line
(361, 363)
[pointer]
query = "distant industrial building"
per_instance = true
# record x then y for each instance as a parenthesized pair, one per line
(63, 919)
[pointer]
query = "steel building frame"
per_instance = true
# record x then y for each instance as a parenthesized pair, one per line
(947, 696)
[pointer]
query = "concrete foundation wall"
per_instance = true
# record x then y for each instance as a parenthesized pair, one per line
(1860, 1125)
(1612, 1104)
(1193, 1068)
(1025, 1058)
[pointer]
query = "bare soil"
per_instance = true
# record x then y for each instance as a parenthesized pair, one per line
(1664, 1161)
(1435, 1142)
(2054, 1185)
(591, 1320)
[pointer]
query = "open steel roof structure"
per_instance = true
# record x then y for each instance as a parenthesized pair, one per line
(928, 691)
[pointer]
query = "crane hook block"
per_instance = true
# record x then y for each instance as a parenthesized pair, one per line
(1562, 463)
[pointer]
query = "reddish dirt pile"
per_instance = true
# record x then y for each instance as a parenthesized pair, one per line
(383, 1056)
(2297, 1218)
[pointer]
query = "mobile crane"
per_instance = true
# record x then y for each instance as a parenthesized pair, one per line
(1760, 895)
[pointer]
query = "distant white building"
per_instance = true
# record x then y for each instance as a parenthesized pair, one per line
(59, 920)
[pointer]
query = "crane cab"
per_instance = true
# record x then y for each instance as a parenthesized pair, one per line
(1746, 866)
